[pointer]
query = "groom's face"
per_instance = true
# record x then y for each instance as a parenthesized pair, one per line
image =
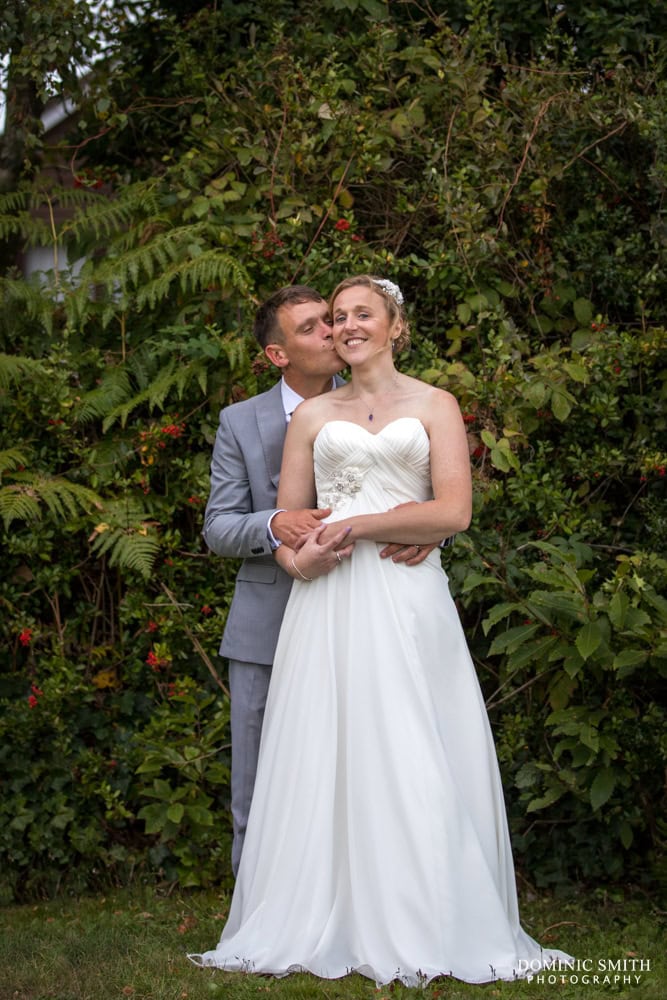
(307, 344)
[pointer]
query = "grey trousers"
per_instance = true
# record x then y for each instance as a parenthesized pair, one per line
(248, 687)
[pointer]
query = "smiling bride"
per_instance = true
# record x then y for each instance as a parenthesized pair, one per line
(377, 841)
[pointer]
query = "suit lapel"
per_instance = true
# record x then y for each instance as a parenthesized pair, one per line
(271, 429)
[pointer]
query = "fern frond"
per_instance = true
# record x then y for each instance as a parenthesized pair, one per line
(114, 388)
(174, 375)
(112, 216)
(120, 270)
(15, 201)
(32, 299)
(126, 511)
(15, 367)
(33, 230)
(64, 197)
(25, 498)
(236, 351)
(129, 548)
(210, 268)
(124, 265)
(142, 364)
(12, 458)
(127, 536)
(18, 504)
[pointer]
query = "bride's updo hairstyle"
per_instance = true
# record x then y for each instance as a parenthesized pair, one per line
(393, 300)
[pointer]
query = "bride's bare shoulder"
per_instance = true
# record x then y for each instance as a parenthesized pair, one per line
(439, 407)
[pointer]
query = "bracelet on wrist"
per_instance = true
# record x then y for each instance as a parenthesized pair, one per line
(308, 579)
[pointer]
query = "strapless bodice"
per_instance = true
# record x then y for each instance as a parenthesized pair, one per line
(357, 470)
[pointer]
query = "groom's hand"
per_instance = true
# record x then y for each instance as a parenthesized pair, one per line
(411, 555)
(402, 552)
(289, 526)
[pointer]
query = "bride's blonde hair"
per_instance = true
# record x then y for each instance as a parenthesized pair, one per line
(393, 300)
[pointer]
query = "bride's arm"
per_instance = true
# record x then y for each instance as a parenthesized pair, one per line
(297, 490)
(450, 510)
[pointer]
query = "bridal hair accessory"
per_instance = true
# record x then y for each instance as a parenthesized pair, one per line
(391, 289)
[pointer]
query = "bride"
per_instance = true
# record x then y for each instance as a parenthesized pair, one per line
(377, 841)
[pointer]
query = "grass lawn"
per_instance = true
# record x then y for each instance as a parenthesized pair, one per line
(132, 943)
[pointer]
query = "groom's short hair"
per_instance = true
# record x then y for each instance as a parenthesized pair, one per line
(267, 327)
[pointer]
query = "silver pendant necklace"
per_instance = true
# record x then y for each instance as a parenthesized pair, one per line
(394, 381)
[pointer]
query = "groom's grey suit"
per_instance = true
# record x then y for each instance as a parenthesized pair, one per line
(245, 470)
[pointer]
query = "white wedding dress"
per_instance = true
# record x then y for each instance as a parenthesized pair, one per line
(377, 839)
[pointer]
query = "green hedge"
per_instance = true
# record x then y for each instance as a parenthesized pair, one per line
(524, 222)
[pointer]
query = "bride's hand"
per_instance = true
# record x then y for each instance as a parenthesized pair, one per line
(317, 556)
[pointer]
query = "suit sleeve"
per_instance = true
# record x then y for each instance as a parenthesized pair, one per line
(231, 526)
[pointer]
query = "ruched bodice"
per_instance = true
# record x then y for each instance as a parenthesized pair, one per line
(357, 471)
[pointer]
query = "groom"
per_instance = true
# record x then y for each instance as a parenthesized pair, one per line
(241, 520)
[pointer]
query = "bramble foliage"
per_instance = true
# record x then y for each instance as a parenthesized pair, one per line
(522, 213)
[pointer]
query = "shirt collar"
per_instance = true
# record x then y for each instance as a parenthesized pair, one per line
(291, 399)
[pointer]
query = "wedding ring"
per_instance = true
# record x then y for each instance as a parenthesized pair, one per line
(418, 547)
(338, 557)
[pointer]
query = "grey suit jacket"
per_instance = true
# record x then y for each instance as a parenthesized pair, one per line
(245, 471)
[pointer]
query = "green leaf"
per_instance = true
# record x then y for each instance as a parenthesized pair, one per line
(552, 795)
(588, 639)
(474, 580)
(175, 812)
(500, 459)
(154, 817)
(561, 691)
(497, 613)
(628, 660)
(375, 9)
(535, 393)
(602, 787)
(573, 663)
(618, 609)
(636, 619)
(576, 371)
(560, 404)
(463, 312)
(531, 652)
(512, 639)
(477, 302)
(583, 310)
(625, 833)
(200, 815)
